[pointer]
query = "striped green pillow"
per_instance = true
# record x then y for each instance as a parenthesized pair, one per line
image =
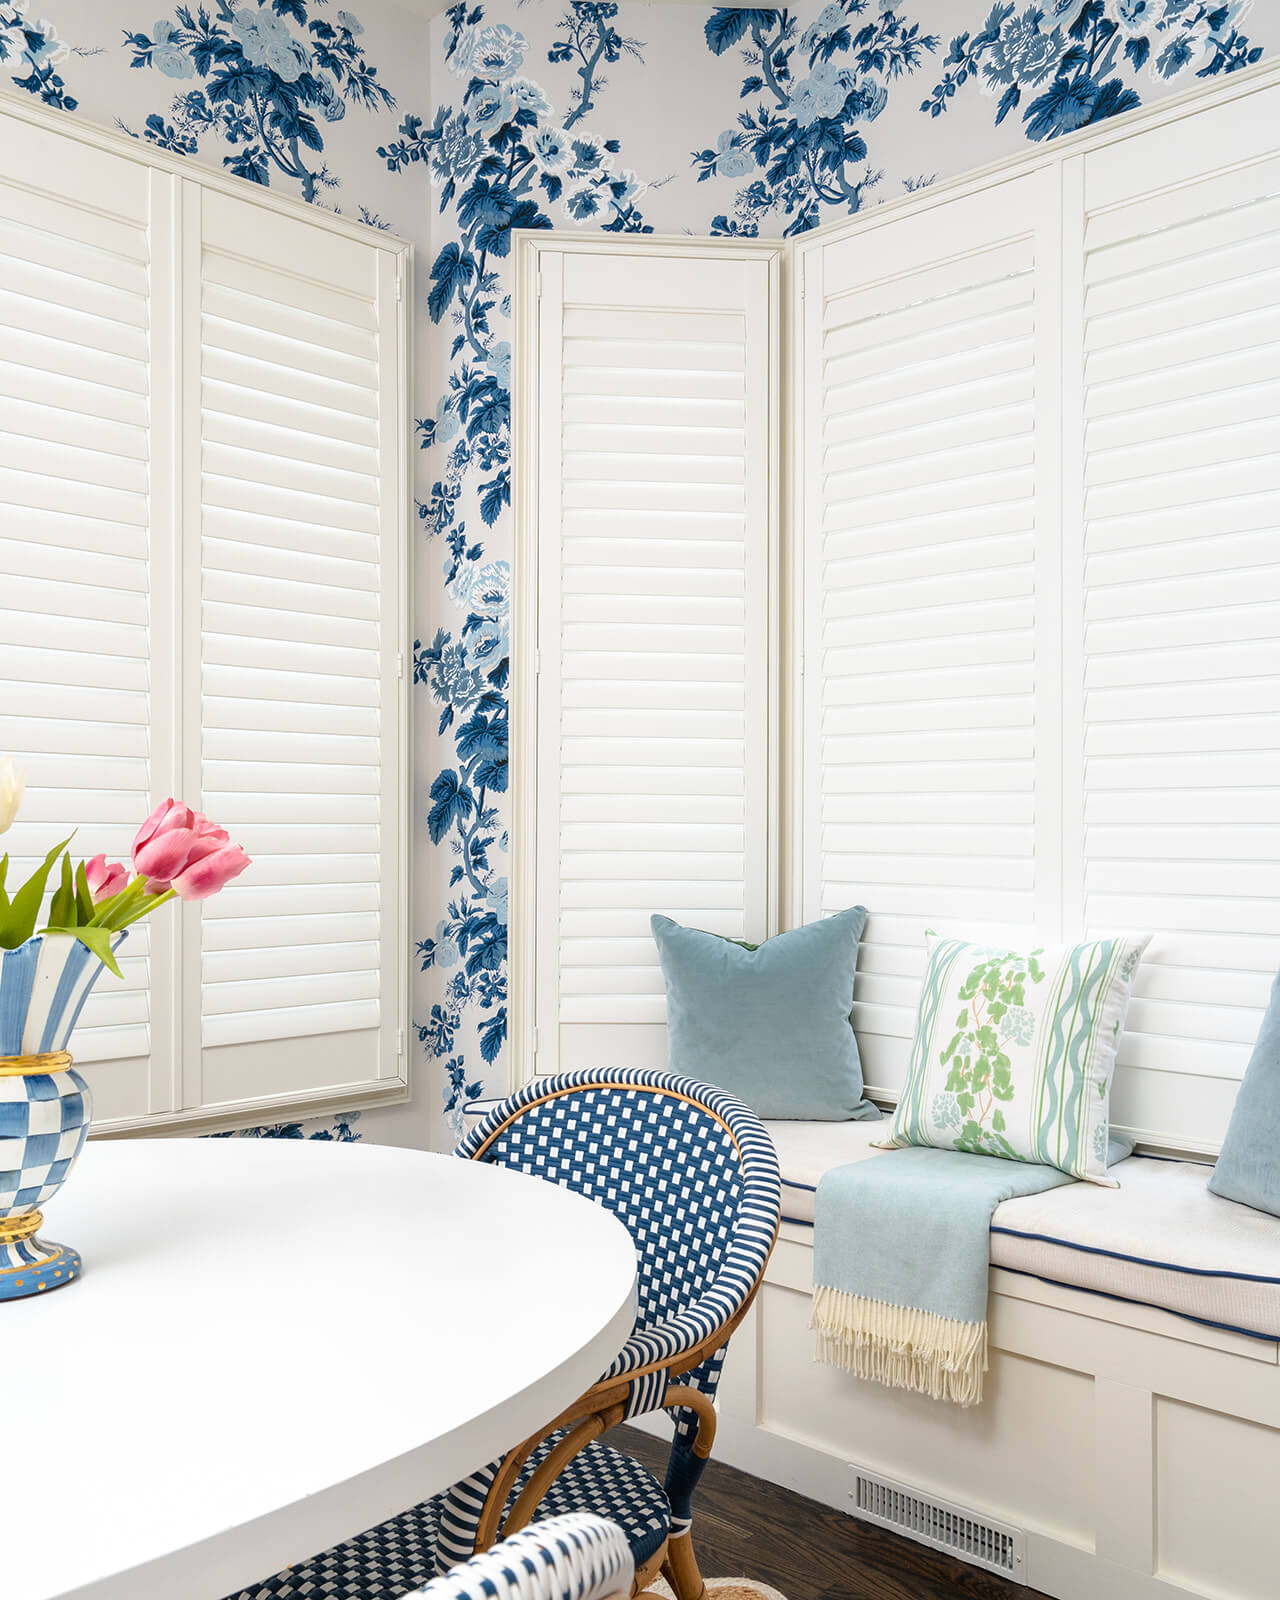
(1014, 1051)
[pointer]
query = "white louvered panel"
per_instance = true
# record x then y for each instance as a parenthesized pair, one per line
(293, 636)
(654, 607)
(1181, 638)
(75, 514)
(931, 528)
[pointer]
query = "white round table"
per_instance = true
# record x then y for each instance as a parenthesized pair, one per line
(277, 1344)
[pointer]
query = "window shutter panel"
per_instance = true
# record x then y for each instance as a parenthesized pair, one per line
(76, 452)
(1181, 642)
(298, 490)
(654, 523)
(930, 539)
(201, 514)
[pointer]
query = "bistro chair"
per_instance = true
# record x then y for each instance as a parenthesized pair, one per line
(693, 1175)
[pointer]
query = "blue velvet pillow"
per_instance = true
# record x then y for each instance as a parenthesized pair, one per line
(1248, 1169)
(769, 1023)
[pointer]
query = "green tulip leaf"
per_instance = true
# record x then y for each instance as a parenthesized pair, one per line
(99, 941)
(84, 897)
(19, 916)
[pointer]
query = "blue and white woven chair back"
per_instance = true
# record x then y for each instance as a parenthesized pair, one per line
(688, 1169)
(575, 1557)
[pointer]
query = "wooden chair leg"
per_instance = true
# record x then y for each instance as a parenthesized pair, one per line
(680, 1568)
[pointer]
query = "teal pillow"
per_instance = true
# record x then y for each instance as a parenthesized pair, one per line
(770, 1022)
(1248, 1169)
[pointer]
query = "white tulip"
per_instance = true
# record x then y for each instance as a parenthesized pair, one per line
(13, 783)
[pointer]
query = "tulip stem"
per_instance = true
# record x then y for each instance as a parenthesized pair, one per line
(129, 906)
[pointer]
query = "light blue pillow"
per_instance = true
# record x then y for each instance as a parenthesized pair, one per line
(769, 1023)
(1248, 1169)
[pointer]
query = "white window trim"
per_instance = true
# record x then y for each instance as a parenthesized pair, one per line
(167, 490)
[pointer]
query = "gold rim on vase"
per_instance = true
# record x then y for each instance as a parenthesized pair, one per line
(29, 1066)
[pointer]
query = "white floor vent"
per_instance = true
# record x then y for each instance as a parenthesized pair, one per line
(937, 1522)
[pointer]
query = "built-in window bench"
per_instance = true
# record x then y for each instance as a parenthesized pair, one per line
(1129, 1437)
(1132, 1449)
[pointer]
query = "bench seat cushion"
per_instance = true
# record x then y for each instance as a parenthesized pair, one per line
(1161, 1239)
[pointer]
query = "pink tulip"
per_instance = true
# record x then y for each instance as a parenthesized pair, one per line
(173, 841)
(210, 873)
(105, 878)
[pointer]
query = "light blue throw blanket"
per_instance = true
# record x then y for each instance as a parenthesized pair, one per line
(901, 1251)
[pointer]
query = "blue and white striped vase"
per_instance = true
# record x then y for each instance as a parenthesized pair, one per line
(45, 1105)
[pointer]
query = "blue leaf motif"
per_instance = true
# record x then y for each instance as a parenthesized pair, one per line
(724, 27)
(454, 268)
(454, 803)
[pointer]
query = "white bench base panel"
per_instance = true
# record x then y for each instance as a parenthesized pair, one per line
(1137, 1451)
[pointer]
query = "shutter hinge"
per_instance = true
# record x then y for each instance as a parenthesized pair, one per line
(400, 283)
(399, 664)
(800, 663)
(533, 1041)
(399, 1041)
(537, 662)
(538, 284)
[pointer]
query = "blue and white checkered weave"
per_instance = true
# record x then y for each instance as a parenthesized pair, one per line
(44, 1119)
(573, 1557)
(696, 1185)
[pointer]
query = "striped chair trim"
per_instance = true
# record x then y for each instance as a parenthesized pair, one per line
(573, 1557)
(460, 1509)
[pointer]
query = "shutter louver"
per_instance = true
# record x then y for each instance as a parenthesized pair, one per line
(925, 671)
(75, 516)
(1181, 637)
(294, 662)
(653, 695)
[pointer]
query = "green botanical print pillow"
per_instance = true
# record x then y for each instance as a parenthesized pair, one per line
(1013, 1052)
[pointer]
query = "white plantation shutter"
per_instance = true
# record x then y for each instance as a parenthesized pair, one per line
(1181, 588)
(654, 524)
(929, 543)
(201, 558)
(299, 649)
(76, 511)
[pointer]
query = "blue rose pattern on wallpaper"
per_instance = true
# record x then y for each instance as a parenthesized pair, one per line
(501, 159)
(256, 84)
(1069, 62)
(30, 51)
(262, 88)
(817, 91)
(803, 140)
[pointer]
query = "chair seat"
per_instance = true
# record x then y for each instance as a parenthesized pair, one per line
(609, 1484)
(395, 1558)
(399, 1556)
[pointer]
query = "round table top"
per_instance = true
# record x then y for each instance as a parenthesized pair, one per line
(279, 1343)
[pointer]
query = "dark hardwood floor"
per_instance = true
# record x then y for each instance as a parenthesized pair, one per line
(746, 1528)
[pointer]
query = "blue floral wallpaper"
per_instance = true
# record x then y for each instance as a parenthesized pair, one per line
(624, 118)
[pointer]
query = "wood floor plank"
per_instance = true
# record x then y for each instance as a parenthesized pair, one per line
(747, 1528)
